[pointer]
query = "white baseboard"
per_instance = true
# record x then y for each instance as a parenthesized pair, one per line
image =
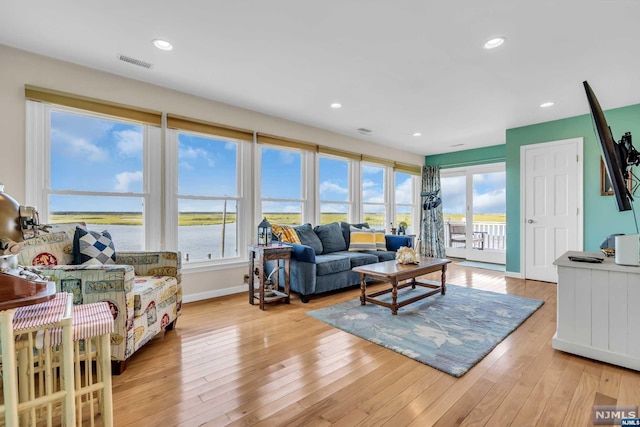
(214, 293)
(514, 274)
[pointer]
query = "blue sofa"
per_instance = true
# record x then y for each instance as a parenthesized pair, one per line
(323, 263)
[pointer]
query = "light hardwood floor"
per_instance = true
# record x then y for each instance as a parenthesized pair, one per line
(228, 363)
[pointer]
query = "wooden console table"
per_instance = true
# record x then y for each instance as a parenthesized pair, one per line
(262, 254)
(598, 314)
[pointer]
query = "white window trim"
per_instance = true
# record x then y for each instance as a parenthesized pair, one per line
(307, 185)
(350, 202)
(243, 199)
(38, 168)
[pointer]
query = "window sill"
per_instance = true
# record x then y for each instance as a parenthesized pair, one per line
(202, 266)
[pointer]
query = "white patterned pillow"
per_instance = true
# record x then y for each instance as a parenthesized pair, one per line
(90, 247)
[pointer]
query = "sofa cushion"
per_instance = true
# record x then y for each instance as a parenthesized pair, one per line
(362, 240)
(151, 291)
(309, 237)
(331, 237)
(332, 263)
(346, 232)
(357, 259)
(383, 255)
(285, 233)
(90, 247)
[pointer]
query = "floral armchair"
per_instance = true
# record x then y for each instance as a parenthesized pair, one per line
(142, 288)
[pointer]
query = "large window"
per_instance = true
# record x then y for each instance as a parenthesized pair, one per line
(334, 189)
(208, 197)
(374, 202)
(405, 201)
(95, 172)
(281, 185)
(197, 187)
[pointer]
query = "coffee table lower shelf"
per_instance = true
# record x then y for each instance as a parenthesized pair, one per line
(397, 274)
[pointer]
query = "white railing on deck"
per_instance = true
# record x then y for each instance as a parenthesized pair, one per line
(494, 234)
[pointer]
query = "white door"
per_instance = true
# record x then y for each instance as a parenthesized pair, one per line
(551, 192)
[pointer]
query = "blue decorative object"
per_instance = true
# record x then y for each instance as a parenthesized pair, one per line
(449, 332)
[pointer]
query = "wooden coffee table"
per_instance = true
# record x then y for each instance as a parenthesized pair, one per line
(395, 273)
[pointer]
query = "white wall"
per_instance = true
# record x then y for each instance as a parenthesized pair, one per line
(18, 68)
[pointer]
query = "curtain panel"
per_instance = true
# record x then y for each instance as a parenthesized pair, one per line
(432, 226)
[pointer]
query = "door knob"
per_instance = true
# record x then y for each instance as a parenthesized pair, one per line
(530, 221)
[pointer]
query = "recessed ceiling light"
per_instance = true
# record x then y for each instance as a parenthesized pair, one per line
(417, 134)
(494, 43)
(547, 104)
(162, 44)
(336, 105)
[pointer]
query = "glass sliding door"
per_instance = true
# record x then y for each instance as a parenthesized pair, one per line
(474, 206)
(454, 213)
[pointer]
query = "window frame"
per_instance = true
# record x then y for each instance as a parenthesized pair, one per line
(350, 202)
(38, 167)
(307, 189)
(242, 198)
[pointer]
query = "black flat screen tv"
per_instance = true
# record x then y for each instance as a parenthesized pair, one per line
(614, 154)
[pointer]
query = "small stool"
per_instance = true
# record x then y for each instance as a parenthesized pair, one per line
(44, 370)
(92, 328)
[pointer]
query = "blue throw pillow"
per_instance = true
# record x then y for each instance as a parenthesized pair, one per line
(331, 237)
(309, 237)
(90, 247)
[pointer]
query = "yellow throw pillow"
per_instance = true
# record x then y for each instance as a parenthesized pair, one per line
(381, 242)
(361, 240)
(286, 233)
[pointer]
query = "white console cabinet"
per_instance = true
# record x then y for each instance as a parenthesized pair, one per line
(598, 310)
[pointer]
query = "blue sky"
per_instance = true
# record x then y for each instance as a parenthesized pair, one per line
(489, 193)
(93, 154)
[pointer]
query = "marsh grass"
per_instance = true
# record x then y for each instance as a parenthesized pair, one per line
(206, 218)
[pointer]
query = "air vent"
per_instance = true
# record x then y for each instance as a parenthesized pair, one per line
(135, 61)
(364, 131)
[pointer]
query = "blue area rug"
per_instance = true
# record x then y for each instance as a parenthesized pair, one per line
(449, 332)
(485, 265)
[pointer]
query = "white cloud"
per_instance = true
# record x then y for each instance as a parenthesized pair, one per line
(367, 183)
(129, 142)
(492, 202)
(190, 153)
(328, 186)
(404, 191)
(371, 170)
(74, 146)
(287, 157)
(125, 179)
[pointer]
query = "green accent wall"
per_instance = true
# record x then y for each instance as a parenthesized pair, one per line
(477, 156)
(601, 216)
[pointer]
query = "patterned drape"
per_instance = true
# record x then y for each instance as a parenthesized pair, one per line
(432, 226)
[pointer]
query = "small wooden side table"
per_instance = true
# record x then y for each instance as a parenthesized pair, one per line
(258, 256)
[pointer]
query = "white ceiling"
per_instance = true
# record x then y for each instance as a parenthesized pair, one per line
(398, 67)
